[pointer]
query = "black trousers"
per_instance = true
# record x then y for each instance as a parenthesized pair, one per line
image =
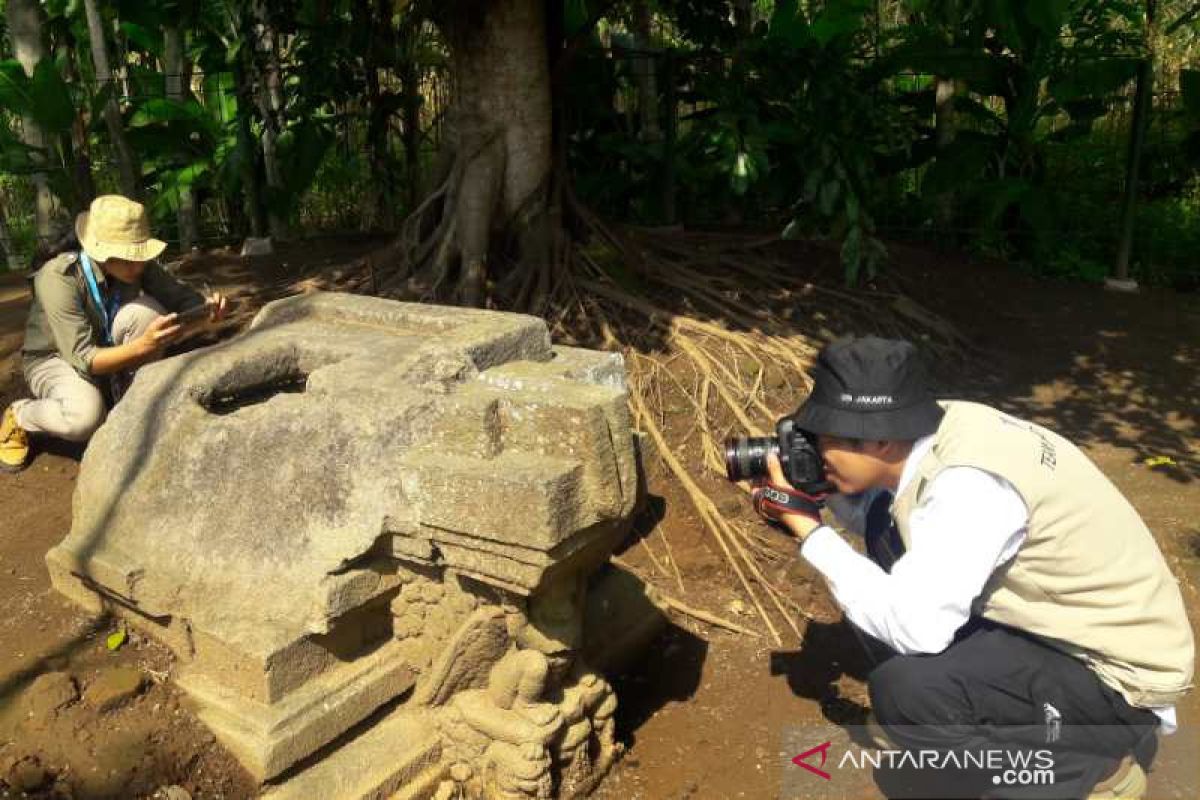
(999, 688)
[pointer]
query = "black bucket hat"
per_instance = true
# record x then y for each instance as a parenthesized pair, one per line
(870, 388)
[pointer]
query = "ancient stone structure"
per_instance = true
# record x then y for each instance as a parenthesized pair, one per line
(360, 503)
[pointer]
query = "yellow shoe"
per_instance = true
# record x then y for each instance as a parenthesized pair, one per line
(1127, 783)
(14, 443)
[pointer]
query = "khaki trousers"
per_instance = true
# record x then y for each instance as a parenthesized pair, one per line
(65, 404)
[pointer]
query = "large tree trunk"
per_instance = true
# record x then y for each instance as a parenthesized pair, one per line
(269, 95)
(174, 68)
(495, 204)
(127, 160)
(25, 30)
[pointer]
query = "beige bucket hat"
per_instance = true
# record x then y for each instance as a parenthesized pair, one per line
(117, 227)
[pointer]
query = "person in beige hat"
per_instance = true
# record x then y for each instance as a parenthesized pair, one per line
(101, 309)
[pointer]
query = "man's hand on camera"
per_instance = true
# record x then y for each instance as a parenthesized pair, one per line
(799, 523)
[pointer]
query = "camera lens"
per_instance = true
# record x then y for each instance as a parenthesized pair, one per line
(746, 456)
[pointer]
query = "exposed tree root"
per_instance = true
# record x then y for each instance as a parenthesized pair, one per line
(721, 324)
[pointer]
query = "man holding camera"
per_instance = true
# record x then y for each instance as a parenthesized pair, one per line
(1021, 598)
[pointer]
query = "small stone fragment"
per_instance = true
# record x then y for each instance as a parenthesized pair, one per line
(257, 246)
(114, 687)
(26, 775)
(48, 693)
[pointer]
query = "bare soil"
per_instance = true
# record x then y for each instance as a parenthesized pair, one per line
(705, 715)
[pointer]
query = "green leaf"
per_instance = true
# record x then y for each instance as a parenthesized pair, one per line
(970, 107)
(174, 182)
(52, 106)
(145, 38)
(838, 19)
(192, 173)
(220, 96)
(16, 92)
(164, 109)
(302, 155)
(788, 24)
(301, 149)
(1091, 78)
(982, 72)
(115, 639)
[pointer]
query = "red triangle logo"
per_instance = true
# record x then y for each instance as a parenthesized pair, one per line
(823, 749)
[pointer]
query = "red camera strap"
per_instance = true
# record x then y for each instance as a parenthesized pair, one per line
(772, 501)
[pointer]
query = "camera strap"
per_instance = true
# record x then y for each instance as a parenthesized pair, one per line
(773, 501)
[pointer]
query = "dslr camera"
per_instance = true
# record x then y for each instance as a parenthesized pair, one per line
(746, 457)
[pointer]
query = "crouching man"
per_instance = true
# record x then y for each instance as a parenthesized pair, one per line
(101, 309)
(1021, 598)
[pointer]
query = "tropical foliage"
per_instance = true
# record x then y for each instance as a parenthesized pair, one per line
(976, 123)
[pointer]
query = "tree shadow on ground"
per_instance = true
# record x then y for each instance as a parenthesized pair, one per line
(1101, 368)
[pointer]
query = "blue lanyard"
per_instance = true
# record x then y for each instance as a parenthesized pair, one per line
(108, 312)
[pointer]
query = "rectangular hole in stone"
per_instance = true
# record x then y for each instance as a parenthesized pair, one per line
(245, 396)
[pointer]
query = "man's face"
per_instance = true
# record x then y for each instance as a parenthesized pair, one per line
(125, 271)
(853, 466)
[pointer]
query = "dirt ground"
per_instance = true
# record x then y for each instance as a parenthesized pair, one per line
(709, 713)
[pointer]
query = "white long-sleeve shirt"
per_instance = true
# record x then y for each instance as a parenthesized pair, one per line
(927, 596)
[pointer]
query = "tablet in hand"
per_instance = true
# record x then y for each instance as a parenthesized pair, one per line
(193, 315)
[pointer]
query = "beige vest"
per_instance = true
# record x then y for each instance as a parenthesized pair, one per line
(1089, 578)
